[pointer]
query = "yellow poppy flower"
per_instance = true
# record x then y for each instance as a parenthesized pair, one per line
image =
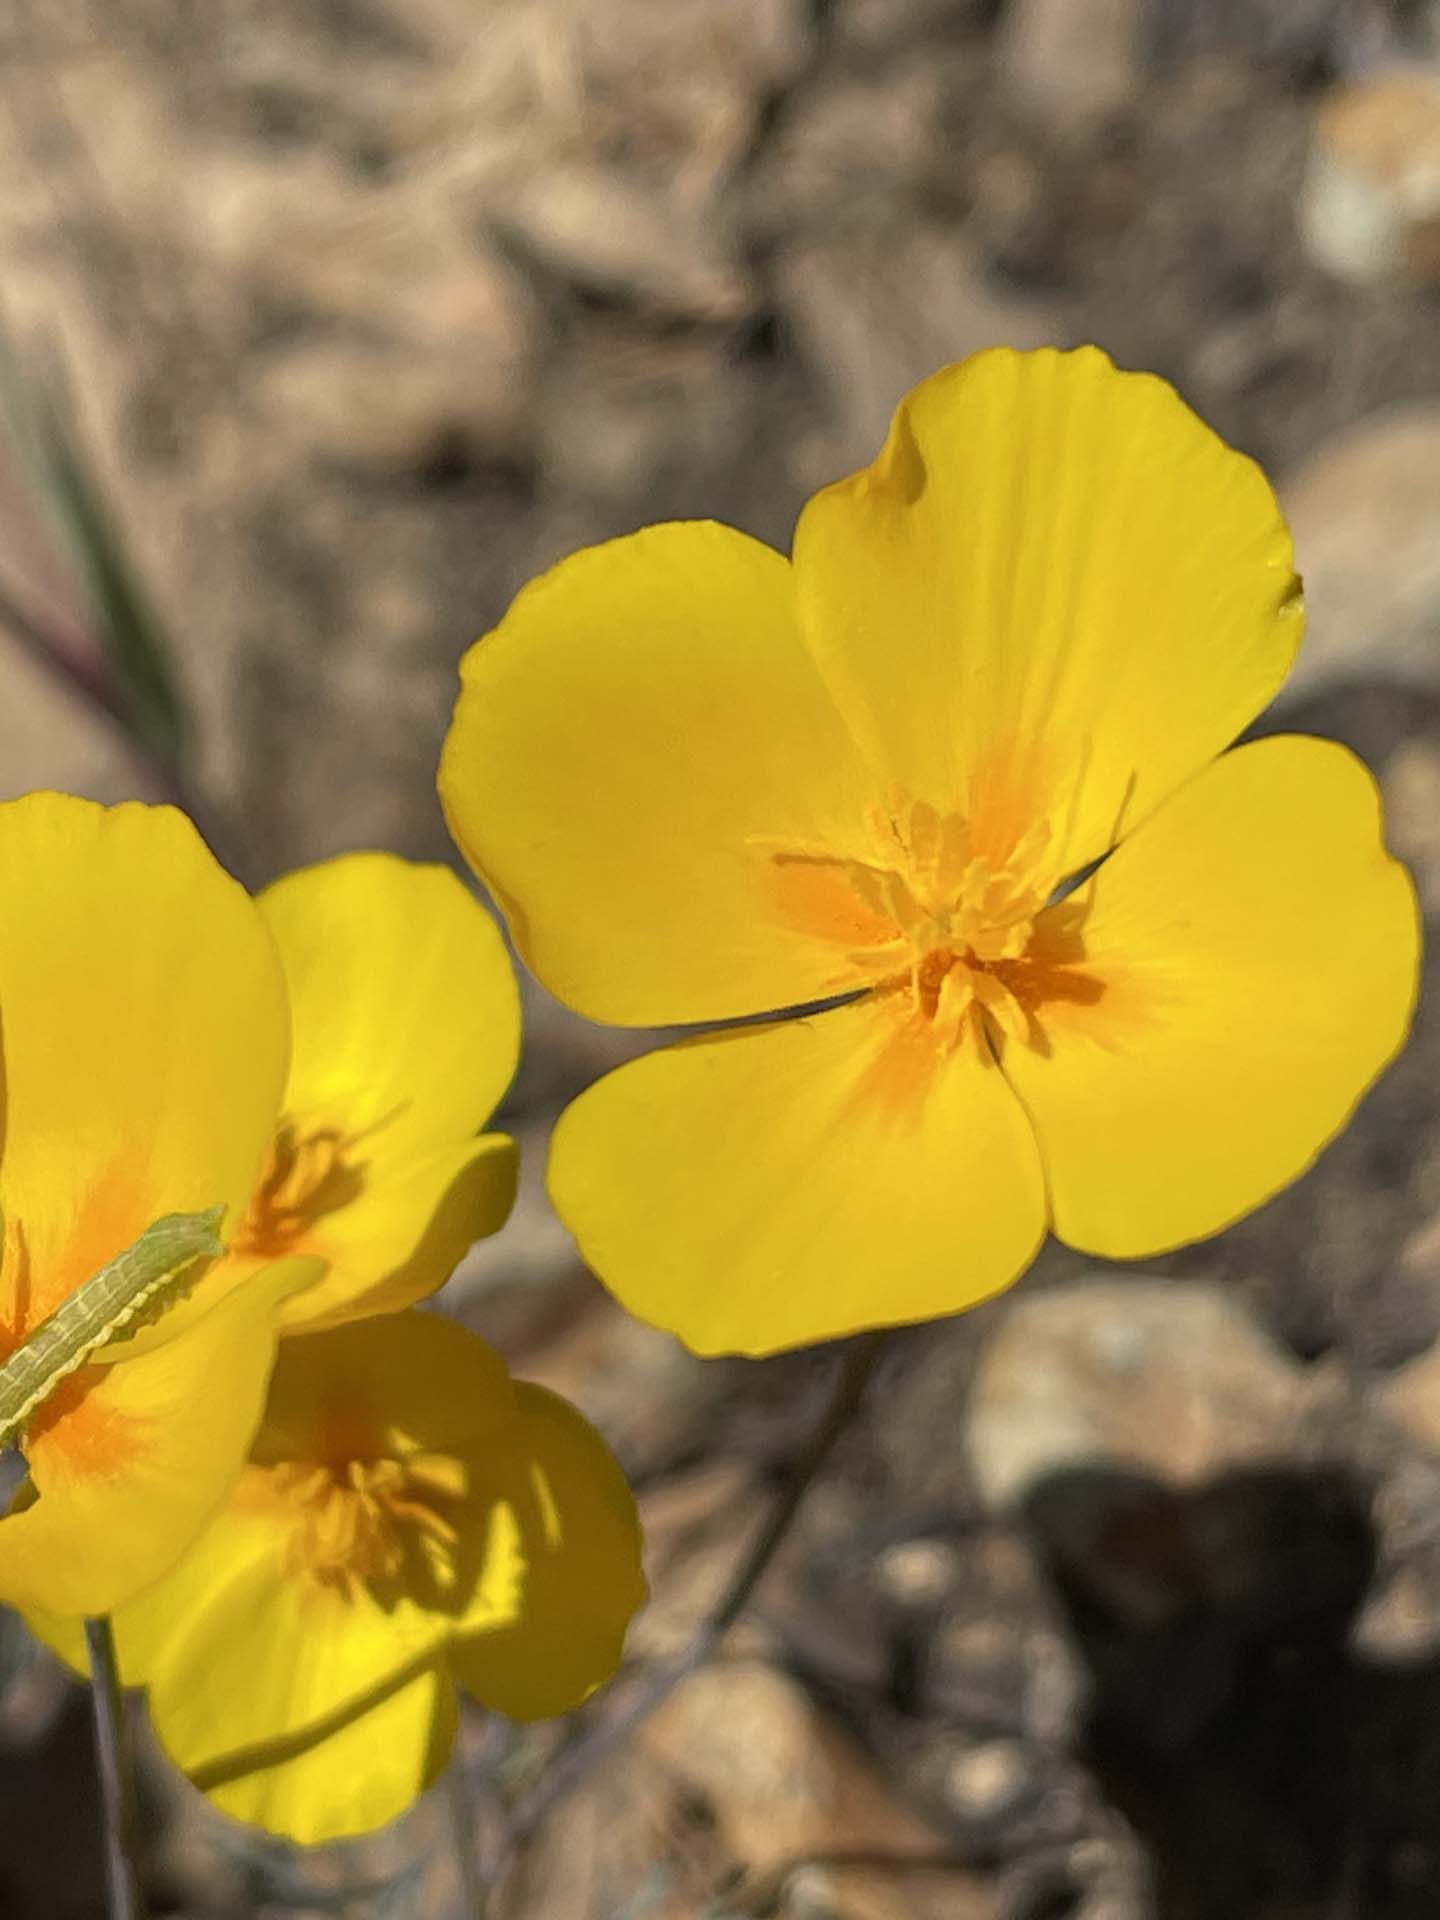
(705, 782)
(410, 1520)
(145, 1039)
(406, 1033)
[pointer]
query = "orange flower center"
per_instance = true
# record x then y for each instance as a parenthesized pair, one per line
(309, 1174)
(381, 1523)
(952, 930)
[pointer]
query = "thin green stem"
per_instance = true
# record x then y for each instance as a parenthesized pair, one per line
(115, 1766)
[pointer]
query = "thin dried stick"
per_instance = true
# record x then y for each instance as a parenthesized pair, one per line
(598, 1741)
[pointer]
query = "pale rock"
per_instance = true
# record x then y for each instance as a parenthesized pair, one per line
(1410, 1397)
(1073, 62)
(1364, 509)
(1370, 205)
(1420, 1254)
(1173, 1378)
(917, 1573)
(991, 1781)
(1398, 1623)
(784, 1783)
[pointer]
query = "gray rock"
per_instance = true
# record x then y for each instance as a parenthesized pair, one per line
(1364, 509)
(1171, 1378)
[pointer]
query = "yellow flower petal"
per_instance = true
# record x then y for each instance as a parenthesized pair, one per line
(401, 1497)
(347, 1773)
(406, 1014)
(406, 1377)
(145, 1041)
(363, 1774)
(641, 714)
(129, 1461)
(407, 1030)
(1054, 595)
(775, 1185)
(1256, 950)
(576, 1569)
(404, 1235)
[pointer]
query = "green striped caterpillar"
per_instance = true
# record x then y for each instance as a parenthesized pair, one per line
(133, 1288)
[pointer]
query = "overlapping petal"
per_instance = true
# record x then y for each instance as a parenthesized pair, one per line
(1256, 947)
(145, 1036)
(769, 1186)
(267, 1653)
(577, 1569)
(642, 713)
(363, 1774)
(1054, 594)
(407, 1031)
(145, 1041)
(128, 1461)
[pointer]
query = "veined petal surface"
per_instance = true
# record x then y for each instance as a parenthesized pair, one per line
(1257, 949)
(775, 1185)
(628, 742)
(1053, 596)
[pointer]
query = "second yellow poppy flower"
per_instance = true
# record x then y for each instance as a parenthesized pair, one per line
(958, 765)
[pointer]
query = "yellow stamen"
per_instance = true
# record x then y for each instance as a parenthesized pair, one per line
(362, 1522)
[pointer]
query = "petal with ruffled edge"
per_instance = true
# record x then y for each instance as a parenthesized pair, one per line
(1256, 950)
(775, 1185)
(407, 1031)
(628, 741)
(1053, 596)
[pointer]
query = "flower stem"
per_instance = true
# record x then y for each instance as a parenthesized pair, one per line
(115, 1766)
(596, 1742)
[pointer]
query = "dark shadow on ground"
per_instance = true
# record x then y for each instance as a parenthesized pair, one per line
(1270, 1772)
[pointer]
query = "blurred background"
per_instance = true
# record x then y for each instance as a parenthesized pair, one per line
(326, 325)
